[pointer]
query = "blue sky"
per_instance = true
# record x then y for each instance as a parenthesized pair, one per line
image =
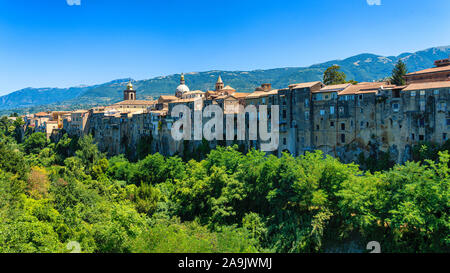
(48, 43)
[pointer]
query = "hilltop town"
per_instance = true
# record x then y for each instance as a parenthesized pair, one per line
(345, 120)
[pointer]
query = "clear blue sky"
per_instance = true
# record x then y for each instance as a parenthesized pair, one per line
(48, 43)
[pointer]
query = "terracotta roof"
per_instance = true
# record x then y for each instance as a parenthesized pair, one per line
(167, 97)
(257, 94)
(240, 95)
(427, 85)
(363, 88)
(228, 88)
(41, 114)
(194, 92)
(136, 102)
(304, 85)
(430, 70)
(333, 88)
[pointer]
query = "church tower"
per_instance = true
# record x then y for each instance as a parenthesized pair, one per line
(219, 84)
(129, 93)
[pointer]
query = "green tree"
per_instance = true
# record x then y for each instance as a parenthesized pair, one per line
(333, 75)
(35, 143)
(88, 152)
(398, 73)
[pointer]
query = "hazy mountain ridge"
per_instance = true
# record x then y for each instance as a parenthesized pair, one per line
(361, 67)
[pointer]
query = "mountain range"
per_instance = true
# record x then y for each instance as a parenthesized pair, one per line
(362, 67)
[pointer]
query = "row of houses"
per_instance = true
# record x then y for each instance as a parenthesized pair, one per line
(342, 120)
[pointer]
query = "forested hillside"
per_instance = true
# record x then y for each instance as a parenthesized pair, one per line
(226, 201)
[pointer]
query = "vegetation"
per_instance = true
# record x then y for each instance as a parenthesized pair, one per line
(55, 193)
(333, 76)
(398, 73)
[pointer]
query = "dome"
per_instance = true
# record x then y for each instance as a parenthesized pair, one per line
(182, 88)
(130, 86)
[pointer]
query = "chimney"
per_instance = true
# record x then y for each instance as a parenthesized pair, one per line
(444, 62)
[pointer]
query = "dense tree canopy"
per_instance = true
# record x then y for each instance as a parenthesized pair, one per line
(55, 193)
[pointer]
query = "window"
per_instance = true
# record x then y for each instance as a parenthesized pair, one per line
(284, 113)
(306, 102)
(436, 91)
(331, 110)
(422, 92)
(421, 137)
(361, 110)
(342, 126)
(342, 138)
(361, 124)
(322, 112)
(306, 115)
(413, 136)
(422, 105)
(443, 106)
(444, 136)
(413, 93)
(284, 141)
(396, 94)
(341, 110)
(360, 97)
(395, 107)
(331, 123)
(263, 100)
(317, 127)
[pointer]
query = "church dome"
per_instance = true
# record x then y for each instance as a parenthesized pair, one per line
(182, 88)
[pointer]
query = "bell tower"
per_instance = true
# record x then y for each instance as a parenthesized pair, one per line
(129, 93)
(219, 84)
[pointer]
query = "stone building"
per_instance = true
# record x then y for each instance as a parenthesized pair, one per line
(441, 72)
(344, 120)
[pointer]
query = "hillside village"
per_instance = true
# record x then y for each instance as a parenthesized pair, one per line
(344, 120)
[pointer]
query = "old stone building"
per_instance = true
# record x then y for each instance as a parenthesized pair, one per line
(345, 120)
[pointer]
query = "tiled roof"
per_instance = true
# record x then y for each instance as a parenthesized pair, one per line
(427, 85)
(228, 88)
(430, 70)
(194, 92)
(168, 97)
(304, 85)
(240, 95)
(136, 102)
(363, 88)
(257, 94)
(333, 88)
(41, 114)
